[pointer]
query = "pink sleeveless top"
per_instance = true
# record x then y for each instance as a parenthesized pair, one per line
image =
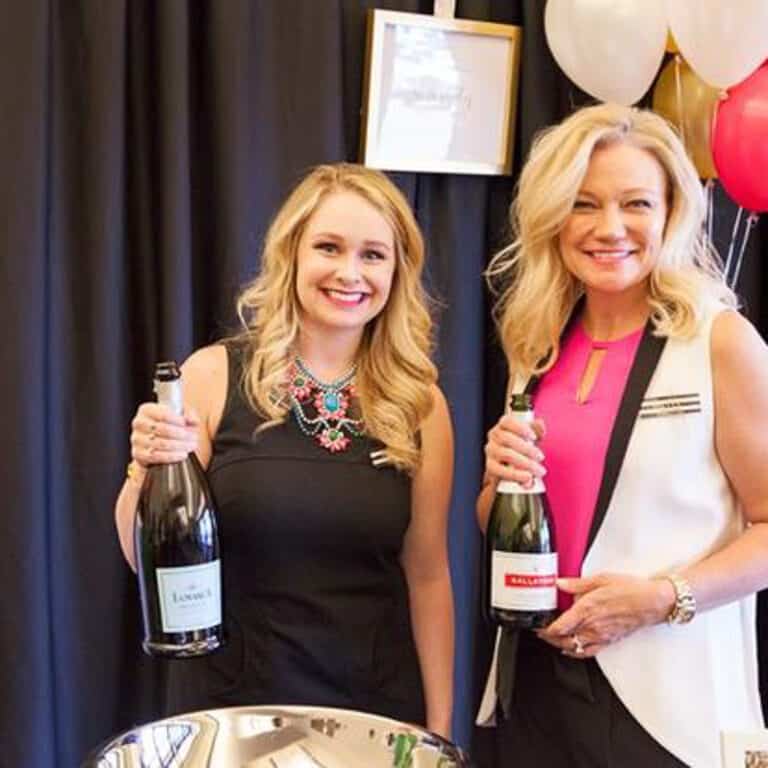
(577, 436)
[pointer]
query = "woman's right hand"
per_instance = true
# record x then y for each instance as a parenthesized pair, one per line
(511, 452)
(159, 436)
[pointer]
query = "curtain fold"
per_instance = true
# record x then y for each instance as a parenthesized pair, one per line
(26, 642)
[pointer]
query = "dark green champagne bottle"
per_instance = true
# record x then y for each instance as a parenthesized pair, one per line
(521, 559)
(177, 549)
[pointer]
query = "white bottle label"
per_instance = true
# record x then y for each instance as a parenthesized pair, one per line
(190, 597)
(523, 581)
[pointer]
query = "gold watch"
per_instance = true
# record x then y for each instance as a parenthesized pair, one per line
(684, 608)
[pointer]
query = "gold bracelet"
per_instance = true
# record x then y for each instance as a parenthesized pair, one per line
(135, 473)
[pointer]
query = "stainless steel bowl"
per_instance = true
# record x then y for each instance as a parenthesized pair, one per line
(278, 737)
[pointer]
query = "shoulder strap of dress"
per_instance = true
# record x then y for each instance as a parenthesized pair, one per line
(236, 400)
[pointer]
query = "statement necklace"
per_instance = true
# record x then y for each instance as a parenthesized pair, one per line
(322, 410)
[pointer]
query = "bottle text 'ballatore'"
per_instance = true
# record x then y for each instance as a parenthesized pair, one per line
(524, 582)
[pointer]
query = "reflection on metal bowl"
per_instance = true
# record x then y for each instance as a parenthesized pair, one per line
(278, 737)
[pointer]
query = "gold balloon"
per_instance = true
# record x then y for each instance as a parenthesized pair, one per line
(691, 108)
(671, 44)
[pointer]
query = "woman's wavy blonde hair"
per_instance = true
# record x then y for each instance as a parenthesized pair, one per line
(395, 372)
(538, 292)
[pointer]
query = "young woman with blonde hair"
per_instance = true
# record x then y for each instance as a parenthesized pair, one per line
(650, 389)
(328, 447)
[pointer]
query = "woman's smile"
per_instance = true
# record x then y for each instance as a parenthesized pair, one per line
(609, 257)
(341, 298)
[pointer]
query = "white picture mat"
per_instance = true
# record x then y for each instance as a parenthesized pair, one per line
(440, 98)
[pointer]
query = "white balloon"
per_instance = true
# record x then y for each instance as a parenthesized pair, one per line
(612, 49)
(558, 34)
(724, 41)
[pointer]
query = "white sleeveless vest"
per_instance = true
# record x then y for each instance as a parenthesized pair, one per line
(672, 505)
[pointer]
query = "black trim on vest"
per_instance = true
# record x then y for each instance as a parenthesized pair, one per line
(531, 385)
(643, 367)
(533, 381)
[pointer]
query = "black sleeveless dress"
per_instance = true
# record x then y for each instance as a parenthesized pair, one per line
(316, 601)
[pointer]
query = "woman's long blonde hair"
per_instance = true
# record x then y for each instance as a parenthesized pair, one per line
(538, 293)
(395, 372)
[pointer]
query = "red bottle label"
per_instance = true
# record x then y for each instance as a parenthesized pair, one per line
(526, 580)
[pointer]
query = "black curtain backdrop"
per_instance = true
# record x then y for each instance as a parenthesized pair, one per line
(144, 147)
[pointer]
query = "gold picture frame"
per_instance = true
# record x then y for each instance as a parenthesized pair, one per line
(440, 95)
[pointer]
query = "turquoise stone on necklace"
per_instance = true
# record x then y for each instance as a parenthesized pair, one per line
(331, 401)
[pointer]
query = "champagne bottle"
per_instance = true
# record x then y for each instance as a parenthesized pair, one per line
(521, 559)
(177, 549)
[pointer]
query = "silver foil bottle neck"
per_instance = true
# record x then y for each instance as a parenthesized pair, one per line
(171, 394)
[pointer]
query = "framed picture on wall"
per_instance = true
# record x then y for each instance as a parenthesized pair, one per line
(745, 750)
(440, 95)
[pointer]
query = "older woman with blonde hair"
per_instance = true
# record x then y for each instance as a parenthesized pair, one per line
(328, 448)
(650, 391)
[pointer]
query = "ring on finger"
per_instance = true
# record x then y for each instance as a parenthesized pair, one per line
(578, 646)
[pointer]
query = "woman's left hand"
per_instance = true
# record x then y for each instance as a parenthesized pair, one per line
(607, 608)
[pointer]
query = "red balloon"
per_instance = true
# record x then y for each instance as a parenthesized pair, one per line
(740, 141)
